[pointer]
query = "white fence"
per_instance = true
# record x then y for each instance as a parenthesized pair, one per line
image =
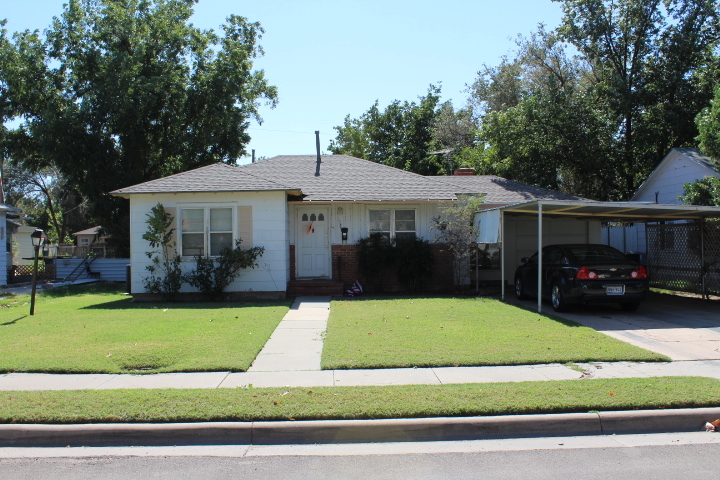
(110, 269)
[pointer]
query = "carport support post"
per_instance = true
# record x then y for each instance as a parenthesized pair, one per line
(502, 255)
(539, 279)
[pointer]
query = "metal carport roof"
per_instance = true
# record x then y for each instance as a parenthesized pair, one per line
(591, 210)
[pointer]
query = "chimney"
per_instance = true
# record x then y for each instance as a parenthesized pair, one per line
(466, 172)
(317, 146)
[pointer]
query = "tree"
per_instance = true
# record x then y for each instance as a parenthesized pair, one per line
(399, 136)
(704, 191)
(708, 124)
(120, 92)
(540, 124)
(649, 61)
(456, 228)
(48, 198)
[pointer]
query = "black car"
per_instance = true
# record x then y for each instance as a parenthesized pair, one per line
(583, 273)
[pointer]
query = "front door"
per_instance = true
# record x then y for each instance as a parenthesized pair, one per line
(313, 243)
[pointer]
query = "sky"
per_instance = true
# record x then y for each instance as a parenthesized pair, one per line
(331, 58)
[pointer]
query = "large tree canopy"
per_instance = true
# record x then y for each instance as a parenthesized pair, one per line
(595, 124)
(120, 92)
(400, 136)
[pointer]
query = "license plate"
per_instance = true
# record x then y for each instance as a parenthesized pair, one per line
(615, 289)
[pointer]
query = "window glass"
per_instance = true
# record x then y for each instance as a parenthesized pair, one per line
(380, 221)
(221, 219)
(218, 241)
(193, 244)
(193, 220)
(405, 221)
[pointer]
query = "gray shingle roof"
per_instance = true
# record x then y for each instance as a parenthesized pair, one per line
(346, 178)
(502, 190)
(218, 177)
(342, 178)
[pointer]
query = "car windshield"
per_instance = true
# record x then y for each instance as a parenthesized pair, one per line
(595, 253)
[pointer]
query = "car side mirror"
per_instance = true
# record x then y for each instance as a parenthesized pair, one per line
(524, 260)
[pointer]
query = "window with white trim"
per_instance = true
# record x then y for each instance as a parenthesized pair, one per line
(206, 230)
(398, 223)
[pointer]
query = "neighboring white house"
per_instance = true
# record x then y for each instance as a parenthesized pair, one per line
(5, 241)
(664, 186)
(309, 215)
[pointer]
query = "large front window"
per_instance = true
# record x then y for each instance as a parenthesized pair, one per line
(394, 223)
(206, 230)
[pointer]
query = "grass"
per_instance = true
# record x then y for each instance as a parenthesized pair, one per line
(335, 403)
(388, 333)
(98, 329)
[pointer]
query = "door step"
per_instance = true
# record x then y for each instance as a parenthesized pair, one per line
(314, 287)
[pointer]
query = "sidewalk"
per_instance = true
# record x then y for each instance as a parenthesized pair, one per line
(291, 358)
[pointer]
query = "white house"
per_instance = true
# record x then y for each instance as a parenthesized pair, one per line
(664, 186)
(307, 212)
(5, 241)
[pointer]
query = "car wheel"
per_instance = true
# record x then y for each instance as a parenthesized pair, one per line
(520, 289)
(630, 307)
(557, 298)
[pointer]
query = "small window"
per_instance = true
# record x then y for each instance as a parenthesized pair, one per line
(393, 223)
(312, 217)
(304, 217)
(321, 218)
(206, 230)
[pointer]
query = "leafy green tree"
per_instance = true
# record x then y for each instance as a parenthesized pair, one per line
(708, 123)
(120, 92)
(456, 228)
(648, 60)
(399, 136)
(166, 275)
(704, 191)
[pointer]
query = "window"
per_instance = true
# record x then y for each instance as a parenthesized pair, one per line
(394, 223)
(206, 229)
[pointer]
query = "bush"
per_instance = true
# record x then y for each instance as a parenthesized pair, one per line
(213, 276)
(374, 256)
(166, 276)
(414, 260)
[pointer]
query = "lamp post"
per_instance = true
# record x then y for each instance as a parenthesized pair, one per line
(38, 238)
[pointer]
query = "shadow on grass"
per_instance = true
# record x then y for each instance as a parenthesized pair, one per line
(12, 322)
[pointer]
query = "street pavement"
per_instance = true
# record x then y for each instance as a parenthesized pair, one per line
(291, 358)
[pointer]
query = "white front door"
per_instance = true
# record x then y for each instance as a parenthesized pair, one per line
(313, 243)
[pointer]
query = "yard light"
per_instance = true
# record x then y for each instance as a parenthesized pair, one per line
(38, 238)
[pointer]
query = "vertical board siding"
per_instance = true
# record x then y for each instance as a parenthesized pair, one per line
(110, 269)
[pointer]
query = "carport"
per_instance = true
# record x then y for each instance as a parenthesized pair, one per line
(491, 222)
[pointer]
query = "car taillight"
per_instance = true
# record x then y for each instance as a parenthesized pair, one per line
(585, 274)
(639, 273)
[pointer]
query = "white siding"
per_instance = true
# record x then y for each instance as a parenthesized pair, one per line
(669, 178)
(355, 217)
(269, 219)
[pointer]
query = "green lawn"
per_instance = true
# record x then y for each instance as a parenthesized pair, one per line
(386, 333)
(98, 329)
(411, 401)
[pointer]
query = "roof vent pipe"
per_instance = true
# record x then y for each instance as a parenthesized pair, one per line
(253, 155)
(317, 146)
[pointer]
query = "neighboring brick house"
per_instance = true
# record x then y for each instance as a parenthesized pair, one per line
(307, 216)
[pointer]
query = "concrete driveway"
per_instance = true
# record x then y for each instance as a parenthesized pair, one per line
(680, 327)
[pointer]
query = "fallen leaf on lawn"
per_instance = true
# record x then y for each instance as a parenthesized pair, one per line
(276, 403)
(369, 333)
(612, 394)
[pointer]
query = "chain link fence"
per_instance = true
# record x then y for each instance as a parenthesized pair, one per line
(684, 258)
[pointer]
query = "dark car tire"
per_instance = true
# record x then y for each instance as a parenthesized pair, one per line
(520, 289)
(630, 307)
(557, 298)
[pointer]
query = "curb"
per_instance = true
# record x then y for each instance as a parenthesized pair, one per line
(359, 431)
